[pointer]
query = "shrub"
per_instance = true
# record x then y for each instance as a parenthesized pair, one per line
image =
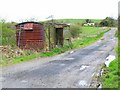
(8, 34)
(75, 30)
(108, 21)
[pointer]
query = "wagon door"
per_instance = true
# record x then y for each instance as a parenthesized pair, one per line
(59, 36)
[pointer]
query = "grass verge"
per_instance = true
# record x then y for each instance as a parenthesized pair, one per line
(110, 78)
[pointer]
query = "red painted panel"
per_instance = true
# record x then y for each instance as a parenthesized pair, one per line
(30, 39)
(28, 26)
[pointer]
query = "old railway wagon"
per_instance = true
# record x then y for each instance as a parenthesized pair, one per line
(30, 35)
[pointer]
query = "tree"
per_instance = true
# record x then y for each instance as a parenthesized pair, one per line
(88, 21)
(108, 21)
(8, 34)
(119, 27)
(75, 30)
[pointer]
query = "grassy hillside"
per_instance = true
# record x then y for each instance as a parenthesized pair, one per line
(77, 20)
(91, 30)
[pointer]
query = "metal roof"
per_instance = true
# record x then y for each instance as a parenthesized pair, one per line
(61, 25)
(28, 22)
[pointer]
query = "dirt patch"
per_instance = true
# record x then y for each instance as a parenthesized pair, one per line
(8, 53)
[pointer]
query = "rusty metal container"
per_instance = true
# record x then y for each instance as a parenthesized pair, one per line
(30, 35)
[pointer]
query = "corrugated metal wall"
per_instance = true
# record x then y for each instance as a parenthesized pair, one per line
(30, 36)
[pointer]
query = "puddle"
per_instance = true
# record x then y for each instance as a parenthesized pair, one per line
(68, 58)
(62, 64)
(71, 52)
(93, 74)
(82, 83)
(105, 46)
(63, 59)
(83, 67)
(2, 79)
(24, 81)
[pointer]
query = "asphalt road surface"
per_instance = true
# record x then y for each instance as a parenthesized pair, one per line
(69, 70)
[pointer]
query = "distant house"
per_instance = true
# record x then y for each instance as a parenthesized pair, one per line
(89, 24)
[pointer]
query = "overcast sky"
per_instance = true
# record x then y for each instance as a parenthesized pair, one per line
(17, 10)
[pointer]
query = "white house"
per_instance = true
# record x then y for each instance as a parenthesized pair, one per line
(89, 24)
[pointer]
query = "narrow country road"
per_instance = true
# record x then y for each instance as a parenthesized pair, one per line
(71, 70)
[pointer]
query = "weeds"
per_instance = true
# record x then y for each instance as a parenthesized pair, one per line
(110, 78)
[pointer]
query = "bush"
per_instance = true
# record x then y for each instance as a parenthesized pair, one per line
(75, 30)
(108, 21)
(8, 34)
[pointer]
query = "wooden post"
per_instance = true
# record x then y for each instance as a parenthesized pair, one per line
(49, 37)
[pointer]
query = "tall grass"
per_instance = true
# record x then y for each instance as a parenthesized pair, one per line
(8, 35)
(75, 30)
(110, 77)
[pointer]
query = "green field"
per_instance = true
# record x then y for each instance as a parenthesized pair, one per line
(77, 20)
(90, 31)
(88, 35)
